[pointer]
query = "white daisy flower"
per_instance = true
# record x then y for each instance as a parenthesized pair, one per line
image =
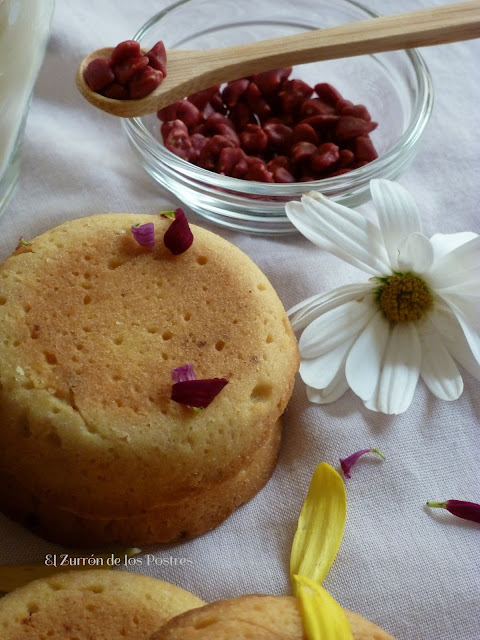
(417, 314)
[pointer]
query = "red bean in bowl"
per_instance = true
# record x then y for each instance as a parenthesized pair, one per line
(270, 128)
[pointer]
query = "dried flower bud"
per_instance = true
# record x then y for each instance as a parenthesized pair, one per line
(459, 508)
(178, 237)
(347, 463)
(196, 394)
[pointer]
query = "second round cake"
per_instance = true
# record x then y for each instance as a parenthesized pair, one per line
(92, 325)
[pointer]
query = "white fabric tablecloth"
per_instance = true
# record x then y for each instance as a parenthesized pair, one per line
(413, 571)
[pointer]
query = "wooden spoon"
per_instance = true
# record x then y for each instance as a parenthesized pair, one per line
(190, 71)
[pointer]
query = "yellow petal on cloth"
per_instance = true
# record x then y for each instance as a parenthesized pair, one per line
(323, 618)
(320, 526)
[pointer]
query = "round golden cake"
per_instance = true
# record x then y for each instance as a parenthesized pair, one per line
(185, 519)
(260, 617)
(105, 605)
(92, 325)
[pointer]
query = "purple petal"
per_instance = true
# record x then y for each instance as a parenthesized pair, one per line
(347, 463)
(144, 234)
(197, 393)
(183, 373)
(460, 508)
(178, 237)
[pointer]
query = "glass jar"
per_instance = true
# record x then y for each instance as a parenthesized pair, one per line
(24, 30)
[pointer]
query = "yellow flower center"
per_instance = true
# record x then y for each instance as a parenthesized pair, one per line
(404, 297)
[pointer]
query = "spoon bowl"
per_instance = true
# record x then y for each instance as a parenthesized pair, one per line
(190, 71)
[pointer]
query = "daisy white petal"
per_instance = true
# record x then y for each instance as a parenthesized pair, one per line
(469, 288)
(305, 305)
(334, 327)
(363, 365)
(438, 369)
(468, 303)
(415, 253)
(319, 372)
(453, 267)
(296, 214)
(303, 313)
(400, 371)
(397, 215)
(444, 320)
(334, 391)
(352, 237)
(468, 315)
(463, 355)
(443, 243)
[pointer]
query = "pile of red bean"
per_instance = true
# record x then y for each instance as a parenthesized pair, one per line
(127, 74)
(270, 128)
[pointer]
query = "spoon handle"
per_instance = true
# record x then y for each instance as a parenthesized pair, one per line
(192, 71)
(438, 25)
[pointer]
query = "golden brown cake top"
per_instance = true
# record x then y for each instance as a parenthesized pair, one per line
(100, 604)
(92, 325)
(262, 617)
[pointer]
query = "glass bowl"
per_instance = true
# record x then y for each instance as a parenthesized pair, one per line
(395, 87)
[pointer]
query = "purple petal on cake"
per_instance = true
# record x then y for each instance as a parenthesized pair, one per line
(460, 508)
(144, 234)
(178, 237)
(347, 463)
(183, 373)
(197, 393)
